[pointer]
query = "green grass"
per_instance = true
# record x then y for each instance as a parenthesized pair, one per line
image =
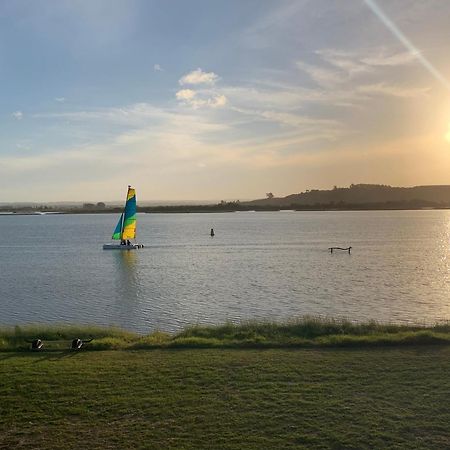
(322, 398)
(307, 383)
(305, 332)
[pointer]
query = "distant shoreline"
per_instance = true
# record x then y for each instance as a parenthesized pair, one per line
(216, 209)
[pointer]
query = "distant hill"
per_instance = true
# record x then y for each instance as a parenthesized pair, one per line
(354, 197)
(363, 195)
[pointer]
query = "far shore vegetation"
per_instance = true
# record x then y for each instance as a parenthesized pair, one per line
(306, 332)
(355, 197)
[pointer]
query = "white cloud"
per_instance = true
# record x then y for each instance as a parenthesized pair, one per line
(157, 68)
(206, 97)
(190, 97)
(199, 77)
(218, 101)
(60, 99)
(18, 115)
(185, 95)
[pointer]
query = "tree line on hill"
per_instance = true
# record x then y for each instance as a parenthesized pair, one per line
(354, 197)
(366, 196)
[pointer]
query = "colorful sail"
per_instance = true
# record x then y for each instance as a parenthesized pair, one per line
(117, 235)
(129, 219)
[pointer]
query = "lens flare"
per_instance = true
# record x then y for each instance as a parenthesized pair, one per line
(393, 28)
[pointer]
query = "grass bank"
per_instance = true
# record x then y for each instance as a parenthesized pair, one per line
(358, 398)
(301, 333)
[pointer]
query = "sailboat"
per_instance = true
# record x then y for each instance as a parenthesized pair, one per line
(126, 227)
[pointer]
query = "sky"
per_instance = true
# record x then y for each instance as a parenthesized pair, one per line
(205, 100)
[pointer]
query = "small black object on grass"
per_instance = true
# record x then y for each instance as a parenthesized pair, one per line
(36, 344)
(349, 249)
(78, 343)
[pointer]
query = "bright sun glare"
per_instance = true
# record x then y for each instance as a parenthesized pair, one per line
(447, 135)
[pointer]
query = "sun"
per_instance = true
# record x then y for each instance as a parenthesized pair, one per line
(447, 135)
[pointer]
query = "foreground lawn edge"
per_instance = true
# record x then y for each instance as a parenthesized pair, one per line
(301, 333)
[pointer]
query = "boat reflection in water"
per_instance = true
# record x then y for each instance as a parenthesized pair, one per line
(128, 301)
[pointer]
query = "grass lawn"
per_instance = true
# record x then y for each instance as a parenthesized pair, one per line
(339, 398)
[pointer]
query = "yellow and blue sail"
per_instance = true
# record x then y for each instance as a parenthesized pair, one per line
(126, 227)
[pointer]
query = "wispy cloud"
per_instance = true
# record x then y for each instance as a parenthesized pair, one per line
(264, 94)
(347, 62)
(322, 76)
(23, 145)
(260, 34)
(393, 59)
(392, 90)
(133, 115)
(60, 99)
(157, 68)
(179, 136)
(359, 62)
(337, 67)
(18, 115)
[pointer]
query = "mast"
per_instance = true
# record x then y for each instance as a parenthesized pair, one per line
(123, 214)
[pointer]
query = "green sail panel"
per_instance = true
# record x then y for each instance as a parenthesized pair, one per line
(117, 235)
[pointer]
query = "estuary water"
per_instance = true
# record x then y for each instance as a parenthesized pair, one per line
(271, 265)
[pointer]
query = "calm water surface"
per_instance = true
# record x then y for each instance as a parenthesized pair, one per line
(259, 265)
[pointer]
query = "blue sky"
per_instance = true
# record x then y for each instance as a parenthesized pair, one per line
(212, 100)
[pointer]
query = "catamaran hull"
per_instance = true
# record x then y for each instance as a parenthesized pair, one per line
(122, 247)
